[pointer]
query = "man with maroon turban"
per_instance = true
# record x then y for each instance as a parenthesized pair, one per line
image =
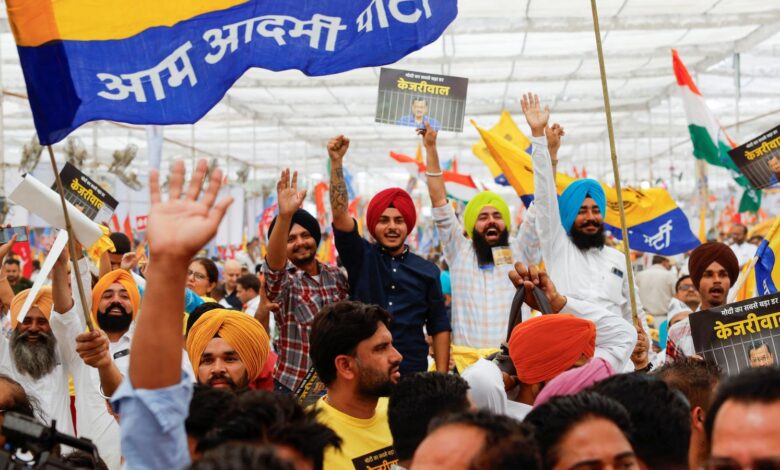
(714, 269)
(386, 273)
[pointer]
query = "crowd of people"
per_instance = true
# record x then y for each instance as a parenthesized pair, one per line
(204, 365)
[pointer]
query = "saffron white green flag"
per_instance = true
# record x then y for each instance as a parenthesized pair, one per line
(710, 142)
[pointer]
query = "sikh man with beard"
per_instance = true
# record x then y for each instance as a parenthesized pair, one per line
(297, 282)
(353, 353)
(571, 230)
(387, 273)
(714, 269)
(481, 291)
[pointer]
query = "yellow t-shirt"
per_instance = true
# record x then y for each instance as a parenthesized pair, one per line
(366, 443)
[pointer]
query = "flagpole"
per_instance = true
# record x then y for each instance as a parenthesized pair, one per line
(71, 240)
(615, 170)
(743, 276)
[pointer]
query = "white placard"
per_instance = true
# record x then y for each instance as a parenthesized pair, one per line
(45, 202)
(56, 248)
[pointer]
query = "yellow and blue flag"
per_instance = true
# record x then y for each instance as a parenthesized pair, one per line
(655, 223)
(767, 263)
(508, 130)
(169, 62)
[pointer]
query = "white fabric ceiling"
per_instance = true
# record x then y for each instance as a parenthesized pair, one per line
(504, 47)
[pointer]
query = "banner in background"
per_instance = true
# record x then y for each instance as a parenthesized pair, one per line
(152, 62)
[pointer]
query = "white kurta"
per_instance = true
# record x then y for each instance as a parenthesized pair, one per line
(595, 275)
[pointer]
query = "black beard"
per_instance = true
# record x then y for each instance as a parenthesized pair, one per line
(34, 359)
(483, 249)
(114, 323)
(374, 384)
(300, 263)
(584, 242)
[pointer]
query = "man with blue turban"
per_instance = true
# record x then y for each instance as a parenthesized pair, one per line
(479, 262)
(571, 228)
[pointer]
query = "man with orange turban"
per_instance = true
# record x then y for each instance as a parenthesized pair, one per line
(387, 273)
(227, 348)
(31, 357)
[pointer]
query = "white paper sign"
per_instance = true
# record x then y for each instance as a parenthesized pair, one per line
(56, 248)
(41, 200)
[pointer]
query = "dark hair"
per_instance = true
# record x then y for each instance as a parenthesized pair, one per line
(199, 311)
(743, 227)
(36, 264)
(241, 457)
(660, 416)
(271, 418)
(21, 403)
(78, 459)
(553, 419)
(249, 281)
(338, 329)
(121, 242)
(695, 379)
(419, 98)
(658, 259)
(10, 260)
(508, 443)
(208, 407)
(219, 291)
(758, 345)
(416, 400)
(759, 385)
(679, 281)
(212, 272)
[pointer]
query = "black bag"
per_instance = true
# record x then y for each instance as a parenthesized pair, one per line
(501, 358)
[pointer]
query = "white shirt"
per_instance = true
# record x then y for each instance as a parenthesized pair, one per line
(52, 391)
(481, 298)
(595, 275)
(744, 252)
(656, 288)
(251, 307)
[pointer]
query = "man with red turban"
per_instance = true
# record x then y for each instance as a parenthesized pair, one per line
(386, 273)
(714, 269)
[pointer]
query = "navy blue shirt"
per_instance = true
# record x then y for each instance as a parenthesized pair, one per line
(406, 285)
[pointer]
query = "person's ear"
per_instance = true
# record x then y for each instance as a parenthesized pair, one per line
(346, 367)
(698, 417)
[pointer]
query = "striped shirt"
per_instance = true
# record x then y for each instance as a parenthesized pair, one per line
(481, 297)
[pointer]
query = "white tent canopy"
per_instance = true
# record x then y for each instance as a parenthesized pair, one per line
(269, 120)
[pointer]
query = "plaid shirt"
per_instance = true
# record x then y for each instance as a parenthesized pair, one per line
(301, 297)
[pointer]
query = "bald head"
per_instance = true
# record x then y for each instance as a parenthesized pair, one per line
(231, 273)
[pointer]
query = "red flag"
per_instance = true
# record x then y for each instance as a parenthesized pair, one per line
(115, 224)
(128, 229)
(22, 251)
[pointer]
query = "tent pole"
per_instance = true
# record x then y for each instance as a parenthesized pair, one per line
(615, 170)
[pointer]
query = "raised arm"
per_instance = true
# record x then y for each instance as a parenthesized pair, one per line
(60, 288)
(6, 292)
(177, 229)
(339, 198)
(436, 188)
(289, 200)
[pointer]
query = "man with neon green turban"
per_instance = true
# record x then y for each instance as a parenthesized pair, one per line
(479, 268)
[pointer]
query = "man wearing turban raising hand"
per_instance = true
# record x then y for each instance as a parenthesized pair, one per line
(714, 269)
(297, 282)
(386, 273)
(571, 229)
(481, 291)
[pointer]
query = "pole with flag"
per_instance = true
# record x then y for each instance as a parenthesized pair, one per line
(615, 169)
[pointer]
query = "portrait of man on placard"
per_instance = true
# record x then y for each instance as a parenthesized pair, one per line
(419, 115)
(761, 355)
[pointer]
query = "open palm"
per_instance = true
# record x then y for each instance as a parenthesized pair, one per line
(181, 227)
(536, 116)
(288, 196)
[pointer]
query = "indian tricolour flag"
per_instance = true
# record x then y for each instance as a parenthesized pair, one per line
(710, 141)
(458, 185)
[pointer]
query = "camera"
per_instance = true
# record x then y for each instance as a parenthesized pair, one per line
(25, 437)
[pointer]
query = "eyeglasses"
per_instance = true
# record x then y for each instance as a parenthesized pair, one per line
(725, 463)
(198, 276)
(685, 287)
